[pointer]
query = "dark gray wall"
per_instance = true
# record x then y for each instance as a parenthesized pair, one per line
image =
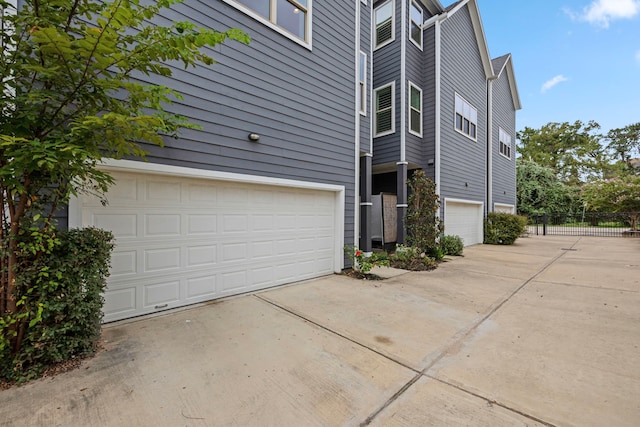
(429, 99)
(365, 46)
(463, 160)
(386, 149)
(504, 116)
(301, 102)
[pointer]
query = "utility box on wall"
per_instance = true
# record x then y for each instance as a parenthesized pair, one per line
(384, 218)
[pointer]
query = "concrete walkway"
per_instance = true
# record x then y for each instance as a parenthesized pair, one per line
(545, 332)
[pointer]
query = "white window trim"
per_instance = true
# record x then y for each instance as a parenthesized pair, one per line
(475, 139)
(419, 46)
(500, 143)
(393, 24)
(411, 131)
(362, 85)
(307, 42)
(393, 110)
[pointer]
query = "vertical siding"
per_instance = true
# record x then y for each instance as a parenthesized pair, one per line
(504, 116)
(463, 161)
(386, 149)
(301, 102)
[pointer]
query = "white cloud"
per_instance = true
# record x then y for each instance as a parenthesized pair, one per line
(554, 81)
(602, 12)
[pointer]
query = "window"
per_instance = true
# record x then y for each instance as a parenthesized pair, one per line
(384, 117)
(292, 16)
(466, 117)
(415, 26)
(415, 110)
(385, 28)
(505, 143)
(362, 83)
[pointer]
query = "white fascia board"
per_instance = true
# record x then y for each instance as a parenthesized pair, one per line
(136, 166)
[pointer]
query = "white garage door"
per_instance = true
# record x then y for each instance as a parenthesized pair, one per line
(464, 219)
(185, 240)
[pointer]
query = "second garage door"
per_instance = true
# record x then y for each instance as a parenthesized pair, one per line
(183, 240)
(464, 219)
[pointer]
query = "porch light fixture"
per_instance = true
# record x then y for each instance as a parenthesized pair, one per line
(254, 137)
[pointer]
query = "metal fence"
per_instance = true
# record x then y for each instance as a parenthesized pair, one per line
(599, 224)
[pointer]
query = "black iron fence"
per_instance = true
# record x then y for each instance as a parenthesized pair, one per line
(617, 224)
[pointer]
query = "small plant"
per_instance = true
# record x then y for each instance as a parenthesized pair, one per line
(411, 258)
(363, 263)
(503, 228)
(451, 245)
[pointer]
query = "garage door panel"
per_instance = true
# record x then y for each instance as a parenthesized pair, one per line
(201, 287)
(162, 259)
(163, 191)
(184, 240)
(120, 303)
(122, 225)
(161, 293)
(201, 256)
(464, 220)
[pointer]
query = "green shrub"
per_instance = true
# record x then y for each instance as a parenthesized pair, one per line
(423, 226)
(362, 262)
(411, 258)
(60, 294)
(452, 245)
(503, 228)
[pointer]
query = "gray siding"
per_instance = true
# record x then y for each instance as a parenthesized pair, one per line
(504, 116)
(387, 62)
(365, 46)
(463, 161)
(301, 102)
(429, 99)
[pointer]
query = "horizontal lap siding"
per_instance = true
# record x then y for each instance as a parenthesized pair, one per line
(386, 149)
(300, 101)
(504, 116)
(365, 46)
(429, 99)
(414, 73)
(463, 161)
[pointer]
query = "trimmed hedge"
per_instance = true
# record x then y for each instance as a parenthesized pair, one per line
(503, 228)
(62, 311)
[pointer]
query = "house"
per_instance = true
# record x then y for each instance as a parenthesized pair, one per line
(265, 193)
(443, 106)
(331, 103)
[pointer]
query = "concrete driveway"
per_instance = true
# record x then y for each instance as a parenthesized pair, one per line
(545, 332)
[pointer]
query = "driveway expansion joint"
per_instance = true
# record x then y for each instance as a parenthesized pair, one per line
(336, 333)
(492, 401)
(462, 337)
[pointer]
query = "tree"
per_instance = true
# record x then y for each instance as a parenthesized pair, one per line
(423, 226)
(615, 195)
(72, 72)
(624, 144)
(538, 190)
(573, 151)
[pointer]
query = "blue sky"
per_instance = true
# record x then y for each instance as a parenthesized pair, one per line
(573, 59)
